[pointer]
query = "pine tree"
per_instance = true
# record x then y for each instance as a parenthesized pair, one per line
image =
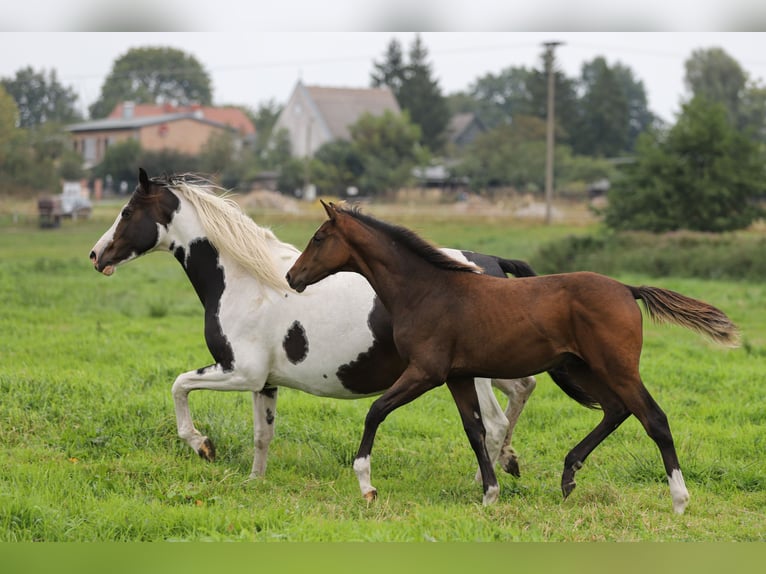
(421, 96)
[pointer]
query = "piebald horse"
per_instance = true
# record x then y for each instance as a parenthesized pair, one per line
(451, 324)
(333, 342)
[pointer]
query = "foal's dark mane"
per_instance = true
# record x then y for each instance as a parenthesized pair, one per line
(411, 241)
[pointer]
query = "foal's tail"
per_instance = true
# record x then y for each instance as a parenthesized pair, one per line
(665, 306)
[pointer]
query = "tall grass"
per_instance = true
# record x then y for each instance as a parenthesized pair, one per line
(90, 453)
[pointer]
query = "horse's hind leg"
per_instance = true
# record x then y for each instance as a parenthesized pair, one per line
(264, 413)
(517, 391)
(464, 393)
(495, 421)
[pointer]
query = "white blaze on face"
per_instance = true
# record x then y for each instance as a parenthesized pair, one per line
(102, 243)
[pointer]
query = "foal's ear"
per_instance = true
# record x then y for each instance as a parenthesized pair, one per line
(143, 180)
(329, 209)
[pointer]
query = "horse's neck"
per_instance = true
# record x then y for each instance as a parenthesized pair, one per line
(208, 268)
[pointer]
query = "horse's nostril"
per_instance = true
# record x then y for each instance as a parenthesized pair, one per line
(93, 256)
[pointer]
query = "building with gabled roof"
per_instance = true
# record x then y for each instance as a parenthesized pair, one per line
(316, 115)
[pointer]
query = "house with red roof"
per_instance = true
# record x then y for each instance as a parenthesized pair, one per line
(185, 129)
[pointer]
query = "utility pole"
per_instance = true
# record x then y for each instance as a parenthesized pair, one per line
(549, 140)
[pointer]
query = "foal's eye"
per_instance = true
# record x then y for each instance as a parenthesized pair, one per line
(316, 238)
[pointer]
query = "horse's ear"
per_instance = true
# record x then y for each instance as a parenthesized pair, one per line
(143, 180)
(329, 209)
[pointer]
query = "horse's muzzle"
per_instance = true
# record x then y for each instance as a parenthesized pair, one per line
(105, 269)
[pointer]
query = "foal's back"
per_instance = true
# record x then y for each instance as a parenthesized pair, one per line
(528, 325)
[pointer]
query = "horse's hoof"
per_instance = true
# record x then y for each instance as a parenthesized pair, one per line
(511, 466)
(370, 495)
(490, 497)
(566, 489)
(206, 450)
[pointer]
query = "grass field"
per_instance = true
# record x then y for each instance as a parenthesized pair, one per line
(90, 453)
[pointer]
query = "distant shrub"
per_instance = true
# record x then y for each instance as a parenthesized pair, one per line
(680, 254)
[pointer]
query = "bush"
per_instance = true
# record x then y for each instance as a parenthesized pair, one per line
(680, 254)
(701, 175)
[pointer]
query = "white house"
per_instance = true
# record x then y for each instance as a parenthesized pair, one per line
(315, 115)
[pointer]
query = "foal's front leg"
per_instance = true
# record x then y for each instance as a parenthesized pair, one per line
(464, 393)
(412, 383)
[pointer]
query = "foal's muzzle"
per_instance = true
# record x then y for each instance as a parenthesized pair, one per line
(300, 287)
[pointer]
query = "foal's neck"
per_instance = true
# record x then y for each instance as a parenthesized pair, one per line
(399, 277)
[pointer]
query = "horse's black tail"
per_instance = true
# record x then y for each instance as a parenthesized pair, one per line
(515, 267)
(574, 391)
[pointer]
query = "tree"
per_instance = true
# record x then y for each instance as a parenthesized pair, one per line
(389, 147)
(716, 76)
(121, 162)
(264, 119)
(501, 97)
(336, 166)
(10, 135)
(701, 175)
(613, 110)
(392, 70)
(421, 96)
(41, 98)
(416, 91)
(154, 75)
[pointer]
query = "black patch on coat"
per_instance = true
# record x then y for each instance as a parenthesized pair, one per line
(269, 417)
(378, 367)
(180, 254)
(295, 343)
(207, 278)
(270, 392)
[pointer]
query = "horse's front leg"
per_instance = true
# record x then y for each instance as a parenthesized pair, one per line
(264, 413)
(212, 378)
(409, 386)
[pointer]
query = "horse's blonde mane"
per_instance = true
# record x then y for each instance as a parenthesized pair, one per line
(231, 231)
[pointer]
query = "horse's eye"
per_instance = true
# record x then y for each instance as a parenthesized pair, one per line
(316, 238)
(126, 213)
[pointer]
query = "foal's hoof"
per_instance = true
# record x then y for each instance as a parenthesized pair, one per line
(370, 495)
(206, 450)
(567, 488)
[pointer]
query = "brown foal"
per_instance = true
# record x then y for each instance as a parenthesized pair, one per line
(452, 324)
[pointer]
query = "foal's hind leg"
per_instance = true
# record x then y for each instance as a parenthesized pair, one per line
(517, 391)
(655, 422)
(613, 417)
(464, 393)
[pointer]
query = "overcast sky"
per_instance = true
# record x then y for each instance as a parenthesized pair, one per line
(253, 68)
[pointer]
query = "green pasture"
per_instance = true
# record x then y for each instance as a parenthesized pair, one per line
(88, 446)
